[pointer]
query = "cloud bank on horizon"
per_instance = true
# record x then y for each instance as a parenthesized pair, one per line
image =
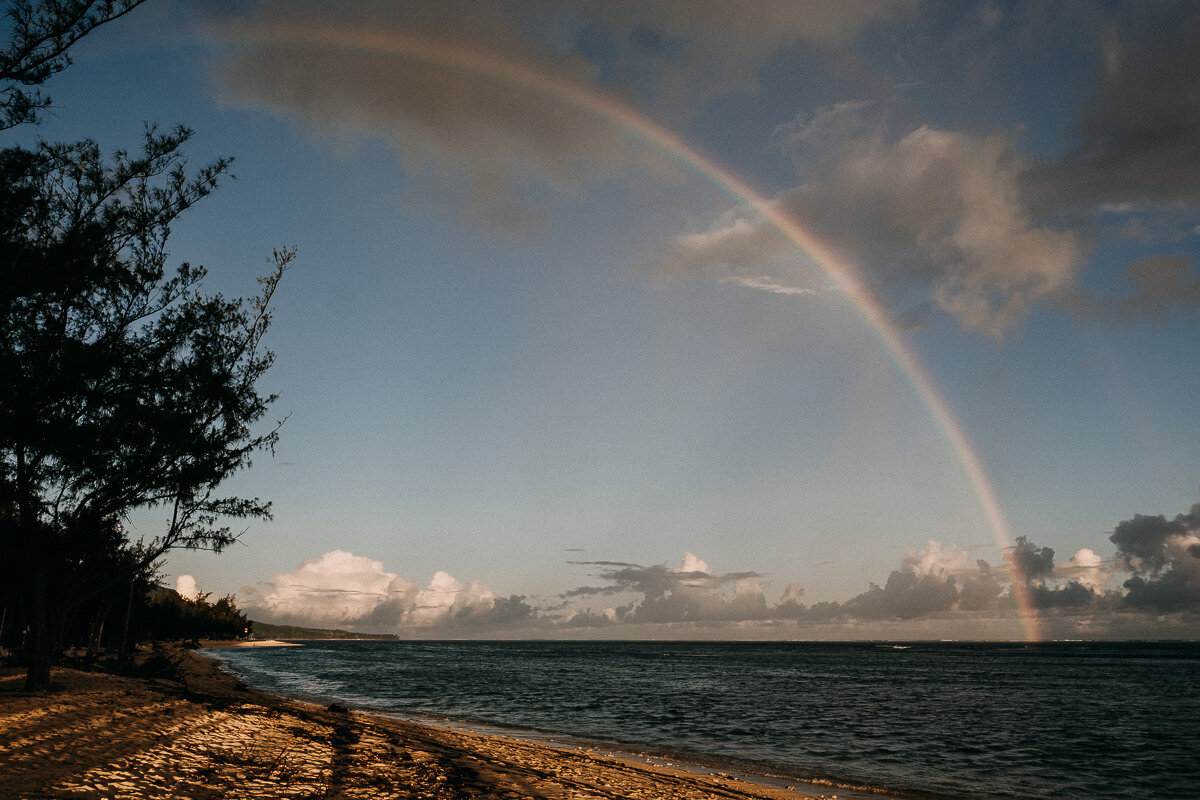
(1150, 586)
(968, 221)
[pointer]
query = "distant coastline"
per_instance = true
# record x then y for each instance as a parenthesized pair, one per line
(266, 630)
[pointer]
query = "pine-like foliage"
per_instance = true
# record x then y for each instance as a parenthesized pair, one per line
(122, 384)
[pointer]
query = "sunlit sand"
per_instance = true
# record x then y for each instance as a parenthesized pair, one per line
(206, 735)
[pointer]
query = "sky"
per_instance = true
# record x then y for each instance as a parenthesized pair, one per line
(779, 320)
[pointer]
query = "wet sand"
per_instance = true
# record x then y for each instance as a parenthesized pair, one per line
(204, 734)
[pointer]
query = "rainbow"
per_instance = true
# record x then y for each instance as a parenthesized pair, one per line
(468, 59)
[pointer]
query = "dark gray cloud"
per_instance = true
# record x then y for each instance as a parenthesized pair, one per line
(904, 596)
(957, 220)
(687, 593)
(1032, 563)
(692, 604)
(1135, 161)
(934, 582)
(1139, 131)
(1164, 555)
(927, 215)
(657, 579)
(1157, 286)
(442, 82)
(980, 591)
(464, 90)
(972, 225)
(593, 591)
(1145, 541)
(504, 612)
(653, 581)
(588, 619)
(930, 582)
(715, 46)
(1174, 590)
(1072, 594)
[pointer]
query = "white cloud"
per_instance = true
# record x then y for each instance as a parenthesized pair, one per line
(934, 560)
(186, 586)
(736, 249)
(1087, 568)
(691, 563)
(340, 589)
(765, 283)
(332, 589)
(447, 598)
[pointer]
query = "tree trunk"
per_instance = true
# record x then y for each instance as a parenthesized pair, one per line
(40, 645)
(122, 652)
(94, 636)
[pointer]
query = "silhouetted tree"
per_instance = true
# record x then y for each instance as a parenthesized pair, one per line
(40, 36)
(164, 614)
(123, 385)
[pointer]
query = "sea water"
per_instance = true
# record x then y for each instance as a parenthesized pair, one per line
(980, 720)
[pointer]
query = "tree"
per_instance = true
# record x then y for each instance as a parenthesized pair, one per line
(124, 386)
(41, 36)
(164, 614)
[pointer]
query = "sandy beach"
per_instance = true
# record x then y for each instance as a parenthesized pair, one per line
(202, 734)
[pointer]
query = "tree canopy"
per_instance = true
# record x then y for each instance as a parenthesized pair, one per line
(40, 37)
(124, 384)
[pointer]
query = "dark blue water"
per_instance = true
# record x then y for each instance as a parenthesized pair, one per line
(1062, 720)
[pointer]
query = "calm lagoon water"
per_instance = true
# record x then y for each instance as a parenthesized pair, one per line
(1063, 720)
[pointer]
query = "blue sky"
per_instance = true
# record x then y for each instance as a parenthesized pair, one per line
(542, 378)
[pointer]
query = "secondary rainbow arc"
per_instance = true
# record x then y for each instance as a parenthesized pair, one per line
(468, 59)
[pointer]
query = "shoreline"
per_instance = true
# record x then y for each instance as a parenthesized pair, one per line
(203, 733)
(219, 644)
(700, 764)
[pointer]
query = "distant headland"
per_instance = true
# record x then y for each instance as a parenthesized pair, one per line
(265, 630)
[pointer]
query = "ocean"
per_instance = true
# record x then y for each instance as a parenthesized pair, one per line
(927, 720)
